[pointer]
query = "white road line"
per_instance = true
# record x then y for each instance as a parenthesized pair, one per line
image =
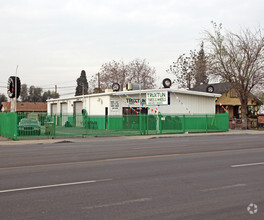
(119, 203)
(247, 164)
(223, 187)
(51, 186)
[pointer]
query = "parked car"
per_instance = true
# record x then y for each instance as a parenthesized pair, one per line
(29, 126)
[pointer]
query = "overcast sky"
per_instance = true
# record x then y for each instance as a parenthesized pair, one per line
(53, 40)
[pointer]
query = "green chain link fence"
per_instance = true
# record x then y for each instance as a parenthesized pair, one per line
(18, 126)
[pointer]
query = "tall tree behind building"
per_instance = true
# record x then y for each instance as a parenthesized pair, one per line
(113, 72)
(200, 67)
(190, 70)
(141, 72)
(49, 95)
(3, 98)
(35, 94)
(24, 93)
(137, 71)
(82, 84)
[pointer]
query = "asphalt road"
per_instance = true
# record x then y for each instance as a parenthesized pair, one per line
(206, 177)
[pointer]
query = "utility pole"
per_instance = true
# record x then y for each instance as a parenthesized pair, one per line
(55, 89)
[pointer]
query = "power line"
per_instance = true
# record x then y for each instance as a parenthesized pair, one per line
(59, 83)
(71, 93)
(63, 87)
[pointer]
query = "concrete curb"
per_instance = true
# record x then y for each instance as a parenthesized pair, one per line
(6, 141)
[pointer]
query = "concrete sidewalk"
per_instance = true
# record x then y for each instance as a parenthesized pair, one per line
(6, 141)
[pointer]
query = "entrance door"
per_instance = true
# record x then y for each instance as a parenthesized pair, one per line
(236, 114)
(106, 117)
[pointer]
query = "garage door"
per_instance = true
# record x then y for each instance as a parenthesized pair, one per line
(78, 106)
(53, 109)
(64, 113)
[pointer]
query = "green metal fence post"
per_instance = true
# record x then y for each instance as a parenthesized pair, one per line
(140, 124)
(227, 121)
(183, 127)
(206, 129)
(147, 123)
(15, 131)
(54, 125)
(160, 125)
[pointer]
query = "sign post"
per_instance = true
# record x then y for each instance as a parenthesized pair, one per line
(157, 99)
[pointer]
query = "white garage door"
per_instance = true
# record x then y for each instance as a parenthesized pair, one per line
(64, 113)
(53, 109)
(64, 109)
(78, 106)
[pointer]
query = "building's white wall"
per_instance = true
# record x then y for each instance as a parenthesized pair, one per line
(194, 104)
(95, 105)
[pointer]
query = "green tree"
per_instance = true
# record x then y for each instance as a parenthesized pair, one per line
(238, 58)
(82, 85)
(35, 94)
(24, 93)
(200, 68)
(49, 95)
(3, 98)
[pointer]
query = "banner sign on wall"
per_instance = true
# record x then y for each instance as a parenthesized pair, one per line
(114, 105)
(157, 98)
(133, 101)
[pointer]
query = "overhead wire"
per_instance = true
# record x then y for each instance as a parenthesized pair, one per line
(57, 83)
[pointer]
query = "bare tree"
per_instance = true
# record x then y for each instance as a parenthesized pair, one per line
(142, 73)
(137, 71)
(190, 70)
(113, 72)
(183, 69)
(238, 59)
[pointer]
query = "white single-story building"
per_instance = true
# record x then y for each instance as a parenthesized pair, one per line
(165, 109)
(151, 101)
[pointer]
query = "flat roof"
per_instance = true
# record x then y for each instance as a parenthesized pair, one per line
(132, 92)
